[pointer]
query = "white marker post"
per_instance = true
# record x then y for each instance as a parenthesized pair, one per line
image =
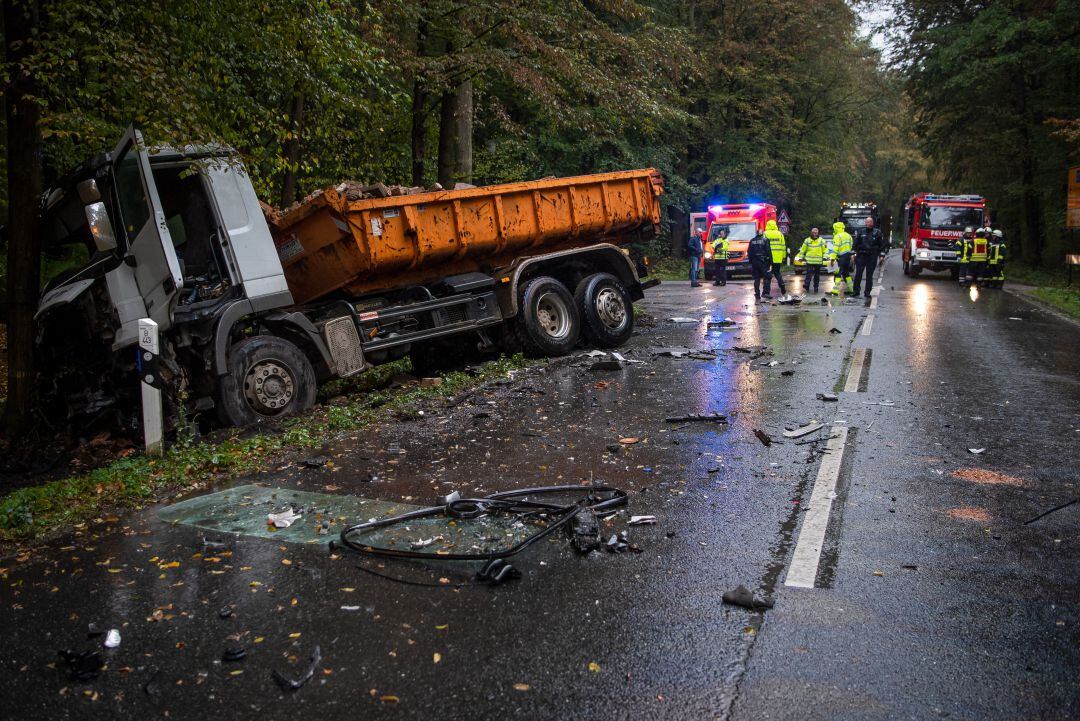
(153, 423)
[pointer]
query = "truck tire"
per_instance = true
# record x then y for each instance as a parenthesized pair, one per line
(548, 322)
(606, 308)
(914, 271)
(268, 377)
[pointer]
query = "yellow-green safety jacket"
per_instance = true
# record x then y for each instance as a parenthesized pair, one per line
(997, 254)
(777, 242)
(720, 249)
(841, 241)
(813, 250)
(979, 249)
(963, 249)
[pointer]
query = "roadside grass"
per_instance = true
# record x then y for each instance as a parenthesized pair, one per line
(1064, 299)
(1050, 286)
(669, 268)
(38, 511)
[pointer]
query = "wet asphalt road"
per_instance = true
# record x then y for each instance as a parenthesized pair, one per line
(932, 599)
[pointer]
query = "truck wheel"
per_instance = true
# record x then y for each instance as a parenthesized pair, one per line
(548, 322)
(268, 377)
(914, 271)
(607, 311)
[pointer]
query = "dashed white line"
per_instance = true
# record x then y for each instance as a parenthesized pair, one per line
(868, 324)
(851, 385)
(804, 562)
(873, 302)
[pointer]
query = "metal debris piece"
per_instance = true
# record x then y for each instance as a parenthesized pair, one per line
(315, 461)
(725, 323)
(585, 531)
(763, 437)
(787, 373)
(805, 430)
(697, 418)
(234, 652)
(496, 572)
(828, 397)
(642, 521)
(425, 542)
(619, 542)
(112, 638)
(287, 684)
(680, 319)
(606, 365)
(742, 596)
(788, 299)
(835, 330)
(595, 354)
(976, 451)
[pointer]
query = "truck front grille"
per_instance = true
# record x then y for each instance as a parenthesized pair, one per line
(344, 344)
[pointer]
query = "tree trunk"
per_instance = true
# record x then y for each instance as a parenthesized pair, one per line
(291, 148)
(455, 136)
(420, 99)
(24, 180)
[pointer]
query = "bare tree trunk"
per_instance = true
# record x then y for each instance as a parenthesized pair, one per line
(291, 148)
(24, 178)
(455, 136)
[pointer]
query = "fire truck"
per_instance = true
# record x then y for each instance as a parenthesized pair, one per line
(742, 221)
(932, 225)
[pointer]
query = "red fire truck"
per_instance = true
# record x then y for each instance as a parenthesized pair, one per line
(741, 221)
(932, 225)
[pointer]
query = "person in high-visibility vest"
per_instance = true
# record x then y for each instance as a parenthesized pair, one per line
(778, 252)
(841, 253)
(813, 254)
(980, 250)
(963, 253)
(995, 261)
(720, 257)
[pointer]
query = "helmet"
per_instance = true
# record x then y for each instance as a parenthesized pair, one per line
(981, 231)
(998, 233)
(969, 230)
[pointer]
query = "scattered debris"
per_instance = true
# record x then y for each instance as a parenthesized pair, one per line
(585, 532)
(234, 652)
(770, 364)
(594, 354)
(629, 441)
(787, 373)
(93, 630)
(315, 461)
(763, 437)
(742, 597)
(835, 330)
(805, 430)
(284, 519)
(425, 542)
(697, 418)
(642, 521)
(788, 299)
(618, 542)
(828, 397)
(725, 323)
(976, 451)
(226, 612)
(496, 572)
(112, 638)
(211, 547)
(825, 301)
(292, 685)
(909, 567)
(606, 365)
(431, 382)
(679, 319)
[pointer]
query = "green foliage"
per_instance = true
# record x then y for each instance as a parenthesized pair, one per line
(1067, 300)
(994, 90)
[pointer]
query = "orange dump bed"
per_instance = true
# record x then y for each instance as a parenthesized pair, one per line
(333, 244)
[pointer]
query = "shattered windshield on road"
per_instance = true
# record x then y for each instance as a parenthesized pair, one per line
(947, 217)
(735, 231)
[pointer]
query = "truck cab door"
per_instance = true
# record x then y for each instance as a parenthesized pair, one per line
(148, 244)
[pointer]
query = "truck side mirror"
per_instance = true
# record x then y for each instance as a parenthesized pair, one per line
(88, 191)
(97, 217)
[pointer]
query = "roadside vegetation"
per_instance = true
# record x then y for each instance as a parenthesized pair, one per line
(1048, 286)
(36, 511)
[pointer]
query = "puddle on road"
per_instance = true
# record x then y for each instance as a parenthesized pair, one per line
(244, 509)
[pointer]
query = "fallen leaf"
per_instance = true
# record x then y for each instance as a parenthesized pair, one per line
(286, 562)
(294, 635)
(594, 667)
(389, 699)
(629, 441)
(521, 687)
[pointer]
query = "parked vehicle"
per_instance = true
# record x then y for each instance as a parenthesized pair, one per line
(742, 221)
(254, 314)
(932, 225)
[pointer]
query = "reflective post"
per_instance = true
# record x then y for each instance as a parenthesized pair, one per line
(153, 423)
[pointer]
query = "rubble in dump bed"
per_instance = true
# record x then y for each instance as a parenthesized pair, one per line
(355, 190)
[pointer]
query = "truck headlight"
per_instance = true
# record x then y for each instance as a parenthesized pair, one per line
(924, 254)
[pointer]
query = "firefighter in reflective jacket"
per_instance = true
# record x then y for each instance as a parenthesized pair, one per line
(980, 250)
(841, 243)
(995, 260)
(778, 252)
(963, 253)
(720, 258)
(812, 252)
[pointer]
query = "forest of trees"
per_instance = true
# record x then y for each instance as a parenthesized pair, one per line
(784, 100)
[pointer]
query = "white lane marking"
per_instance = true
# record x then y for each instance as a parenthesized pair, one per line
(873, 302)
(851, 385)
(804, 562)
(876, 290)
(868, 324)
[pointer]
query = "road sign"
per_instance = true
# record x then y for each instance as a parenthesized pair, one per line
(784, 221)
(1072, 216)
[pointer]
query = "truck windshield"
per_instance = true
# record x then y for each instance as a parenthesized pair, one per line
(946, 217)
(735, 231)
